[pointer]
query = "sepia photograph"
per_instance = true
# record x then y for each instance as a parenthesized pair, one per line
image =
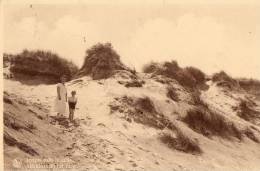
(121, 85)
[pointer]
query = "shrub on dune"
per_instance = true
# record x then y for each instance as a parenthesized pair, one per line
(186, 79)
(145, 104)
(181, 142)
(211, 123)
(101, 62)
(42, 63)
(247, 112)
(221, 76)
(189, 77)
(197, 100)
(249, 84)
(197, 74)
(252, 86)
(151, 67)
(141, 110)
(171, 68)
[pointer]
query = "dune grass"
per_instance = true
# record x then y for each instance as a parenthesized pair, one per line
(101, 61)
(210, 123)
(181, 142)
(172, 94)
(247, 112)
(189, 77)
(42, 64)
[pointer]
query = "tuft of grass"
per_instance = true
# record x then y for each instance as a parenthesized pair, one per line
(222, 76)
(246, 112)
(151, 67)
(197, 101)
(199, 76)
(101, 62)
(146, 105)
(224, 80)
(41, 63)
(186, 79)
(250, 134)
(252, 86)
(211, 123)
(189, 77)
(134, 83)
(141, 110)
(171, 68)
(249, 83)
(172, 94)
(181, 142)
(7, 100)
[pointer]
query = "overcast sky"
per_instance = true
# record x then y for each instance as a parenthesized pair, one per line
(211, 37)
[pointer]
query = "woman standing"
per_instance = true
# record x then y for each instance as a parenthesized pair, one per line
(61, 99)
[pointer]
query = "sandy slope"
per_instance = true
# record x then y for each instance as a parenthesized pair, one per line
(104, 141)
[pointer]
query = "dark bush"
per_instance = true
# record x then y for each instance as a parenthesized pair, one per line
(42, 63)
(247, 112)
(222, 76)
(141, 110)
(199, 76)
(210, 123)
(186, 79)
(252, 86)
(197, 100)
(171, 68)
(189, 77)
(101, 62)
(224, 80)
(151, 67)
(146, 104)
(134, 83)
(7, 100)
(249, 84)
(181, 142)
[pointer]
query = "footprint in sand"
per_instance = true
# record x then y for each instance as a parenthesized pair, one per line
(68, 155)
(133, 163)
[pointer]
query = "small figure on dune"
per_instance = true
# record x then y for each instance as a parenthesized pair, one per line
(61, 100)
(72, 104)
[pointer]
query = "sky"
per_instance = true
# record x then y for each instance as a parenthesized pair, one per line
(210, 36)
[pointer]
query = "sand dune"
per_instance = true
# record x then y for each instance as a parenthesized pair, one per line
(113, 131)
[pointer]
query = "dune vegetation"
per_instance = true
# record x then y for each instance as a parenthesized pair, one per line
(101, 61)
(44, 65)
(189, 77)
(166, 116)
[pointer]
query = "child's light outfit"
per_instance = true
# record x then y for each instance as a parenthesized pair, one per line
(60, 104)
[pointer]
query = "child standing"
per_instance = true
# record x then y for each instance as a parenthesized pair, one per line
(72, 104)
